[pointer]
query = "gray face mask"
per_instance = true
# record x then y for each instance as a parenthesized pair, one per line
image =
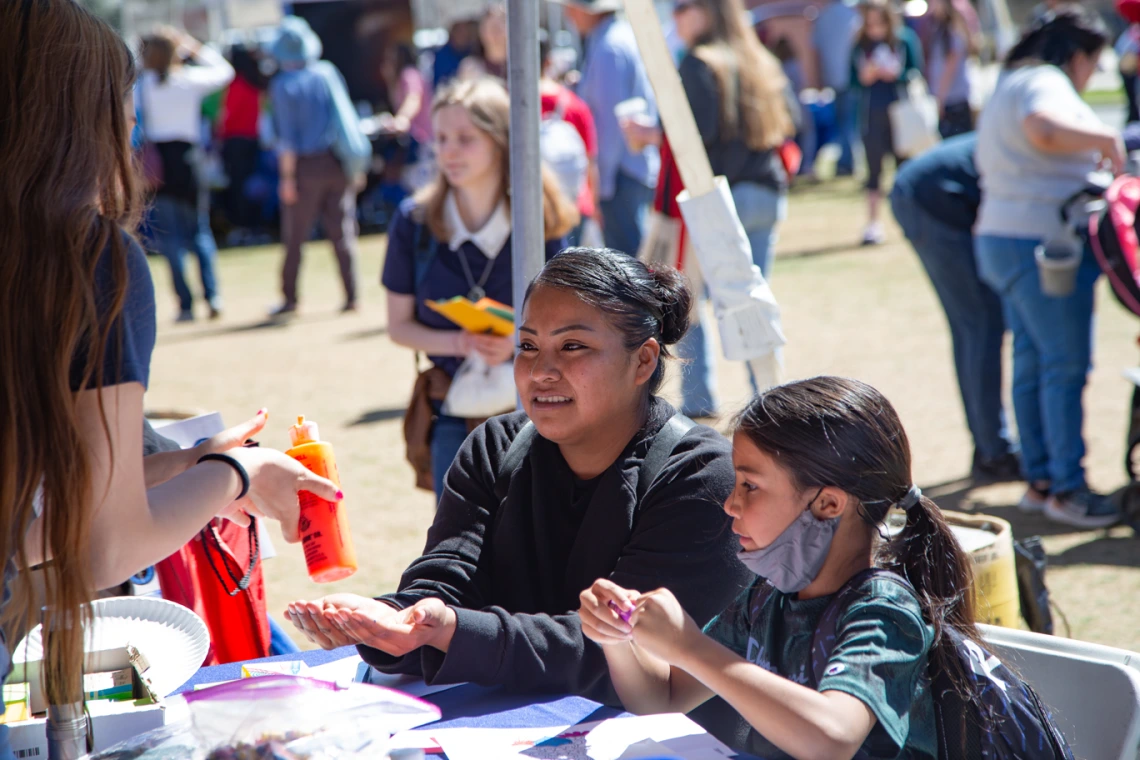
(794, 559)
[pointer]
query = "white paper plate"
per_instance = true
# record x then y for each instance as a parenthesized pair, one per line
(173, 638)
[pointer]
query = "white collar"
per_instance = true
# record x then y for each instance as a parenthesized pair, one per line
(489, 240)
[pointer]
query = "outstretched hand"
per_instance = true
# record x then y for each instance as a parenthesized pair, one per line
(428, 623)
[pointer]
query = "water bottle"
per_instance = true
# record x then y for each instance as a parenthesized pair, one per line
(68, 733)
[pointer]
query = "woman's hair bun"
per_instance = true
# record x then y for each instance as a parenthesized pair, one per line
(676, 303)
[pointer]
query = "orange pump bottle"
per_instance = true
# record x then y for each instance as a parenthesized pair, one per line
(325, 537)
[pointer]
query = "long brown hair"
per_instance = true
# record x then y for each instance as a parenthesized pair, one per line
(751, 80)
(890, 18)
(832, 431)
(157, 52)
(68, 192)
(489, 108)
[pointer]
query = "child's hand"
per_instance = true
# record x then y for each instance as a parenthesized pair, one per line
(661, 627)
(602, 610)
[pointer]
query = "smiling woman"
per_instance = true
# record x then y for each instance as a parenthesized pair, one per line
(598, 478)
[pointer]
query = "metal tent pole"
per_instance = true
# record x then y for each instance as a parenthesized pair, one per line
(527, 231)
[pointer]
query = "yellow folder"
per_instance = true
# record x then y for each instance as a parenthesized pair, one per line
(483, 316)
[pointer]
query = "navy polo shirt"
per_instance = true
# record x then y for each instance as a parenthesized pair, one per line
(130, 343)
(444, 278)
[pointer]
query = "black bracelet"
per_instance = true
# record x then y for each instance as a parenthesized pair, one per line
(237, 467)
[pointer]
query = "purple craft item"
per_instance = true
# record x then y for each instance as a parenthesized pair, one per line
(623, 614)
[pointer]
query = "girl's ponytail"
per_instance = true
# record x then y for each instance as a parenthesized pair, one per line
(927, 554)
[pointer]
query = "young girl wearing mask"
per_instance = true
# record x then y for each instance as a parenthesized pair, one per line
(819, 464)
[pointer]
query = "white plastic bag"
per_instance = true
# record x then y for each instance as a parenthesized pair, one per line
(746, 310)
(914, 120)
(283, 716)
(479, 390)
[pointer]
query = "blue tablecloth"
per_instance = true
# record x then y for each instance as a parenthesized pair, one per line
(466, 706)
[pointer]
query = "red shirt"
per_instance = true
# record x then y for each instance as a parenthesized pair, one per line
(241, 106)
(577, 114)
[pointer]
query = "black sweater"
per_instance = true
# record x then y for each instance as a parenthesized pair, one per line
(516, 609)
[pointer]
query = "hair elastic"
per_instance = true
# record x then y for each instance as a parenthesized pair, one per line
(911, 500)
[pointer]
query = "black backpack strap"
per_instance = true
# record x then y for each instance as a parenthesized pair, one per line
(516, 453)
(823, 640)
(659, 452)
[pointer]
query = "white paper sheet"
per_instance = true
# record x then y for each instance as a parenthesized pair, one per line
(365, 674)
(671, 735)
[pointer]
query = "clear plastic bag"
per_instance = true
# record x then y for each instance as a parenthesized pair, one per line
(283, 718)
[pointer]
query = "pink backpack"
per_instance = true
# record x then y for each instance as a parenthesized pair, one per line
(1115, 240)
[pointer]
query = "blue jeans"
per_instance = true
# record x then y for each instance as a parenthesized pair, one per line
(1052, 352)
(760, 209)
(447, 435)
(177, 227)
(846, 129)
(623, 215)
(974, 313)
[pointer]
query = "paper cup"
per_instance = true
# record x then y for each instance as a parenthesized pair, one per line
(1057, 264)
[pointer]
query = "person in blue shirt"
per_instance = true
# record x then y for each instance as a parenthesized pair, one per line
(462, 41)
(935, 200)
(453, 239)
(312, 183)
(613, 72)
(833, 37)
(77, 329)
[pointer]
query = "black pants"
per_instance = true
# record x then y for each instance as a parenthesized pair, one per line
(878, 143)
(239, 158)
(957, 119)
(1130, 81)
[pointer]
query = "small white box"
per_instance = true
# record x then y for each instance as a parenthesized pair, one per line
(111, 723)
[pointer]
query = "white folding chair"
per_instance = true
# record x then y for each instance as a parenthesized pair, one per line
(1093, 691)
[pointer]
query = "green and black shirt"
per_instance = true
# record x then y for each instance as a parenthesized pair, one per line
(879, 657)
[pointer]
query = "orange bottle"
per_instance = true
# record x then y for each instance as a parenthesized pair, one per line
(325, 537)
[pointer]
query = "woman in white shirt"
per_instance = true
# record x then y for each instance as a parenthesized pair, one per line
(1037, 143)
(170, 98)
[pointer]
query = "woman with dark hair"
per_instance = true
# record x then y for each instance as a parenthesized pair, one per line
(76, 333)
(238, 131)
(1037, 143)
(819, 465)
(170, 98)
(598, 477)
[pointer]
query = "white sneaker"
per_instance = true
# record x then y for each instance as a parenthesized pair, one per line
(873, 234)
(1082, 509)
(1035, 498)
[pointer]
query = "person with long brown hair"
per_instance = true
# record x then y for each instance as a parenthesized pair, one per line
(76, 333)
(745, 110)
(453, 238)
(820, 464)
(886, 54)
